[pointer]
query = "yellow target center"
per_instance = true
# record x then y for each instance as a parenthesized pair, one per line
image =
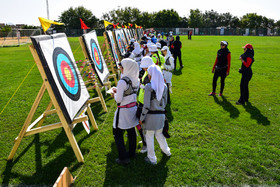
(67, 74)
(96, 56)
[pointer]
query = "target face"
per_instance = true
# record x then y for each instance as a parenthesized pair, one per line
(120, 42)
(96, 56)
(114, 49)
(62, 74)
(66, 73)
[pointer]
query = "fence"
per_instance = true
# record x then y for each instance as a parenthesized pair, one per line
(222, 31)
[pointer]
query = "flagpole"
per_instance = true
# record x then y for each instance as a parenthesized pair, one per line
(48, 15)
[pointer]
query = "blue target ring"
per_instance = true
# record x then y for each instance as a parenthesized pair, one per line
(120, 44)
(114, 50)
(96, 56)
(66, 74)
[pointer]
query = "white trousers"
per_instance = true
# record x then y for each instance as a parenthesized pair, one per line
(149, 134)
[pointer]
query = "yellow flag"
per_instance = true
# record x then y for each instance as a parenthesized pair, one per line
(125, 26)
(136, 26)
(118, 27)
(106, 23)
(47, 23)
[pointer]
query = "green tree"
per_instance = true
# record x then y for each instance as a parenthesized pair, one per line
(29, 27)
(6, 29)
(71, 18)
(251, 20)
(123, 16)
(235, 22)
(211, 19)
(167, 18)
(267, 23)
(195, 18)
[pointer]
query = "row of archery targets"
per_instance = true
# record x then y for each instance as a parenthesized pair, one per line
(68, 81)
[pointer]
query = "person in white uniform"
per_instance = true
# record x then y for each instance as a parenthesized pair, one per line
(167, 70)
(153, 113)
(137, 53)
(125, 116)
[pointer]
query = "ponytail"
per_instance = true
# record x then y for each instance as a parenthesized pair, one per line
(158, 58)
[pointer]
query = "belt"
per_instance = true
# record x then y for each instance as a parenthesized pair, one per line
(130, 105)
(167, 70)
(156, 112)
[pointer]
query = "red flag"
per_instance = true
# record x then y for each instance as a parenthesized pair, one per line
(83, 25)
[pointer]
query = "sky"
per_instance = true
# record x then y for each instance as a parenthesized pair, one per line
(28, 11)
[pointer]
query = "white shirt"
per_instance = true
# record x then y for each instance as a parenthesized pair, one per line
(127, 116)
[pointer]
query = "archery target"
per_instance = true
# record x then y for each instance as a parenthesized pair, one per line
(113, 46)
(66, 73)
(124, 41)
(95, 56)
(119, 41)
(62, 73)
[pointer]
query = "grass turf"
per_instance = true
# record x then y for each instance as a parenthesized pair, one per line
(214, 141)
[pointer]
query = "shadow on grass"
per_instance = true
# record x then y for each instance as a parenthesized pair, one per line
(48, 173)
(169, 113)
(256, 114)
(227, 106)
(137, 173)
(177, 72)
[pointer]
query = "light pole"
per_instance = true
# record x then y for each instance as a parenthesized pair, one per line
(48, 15)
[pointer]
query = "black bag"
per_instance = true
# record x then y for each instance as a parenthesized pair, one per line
(217, 68)
(139, 110)
(165, 128)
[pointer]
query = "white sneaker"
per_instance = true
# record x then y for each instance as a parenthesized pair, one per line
(149, 161)
(144, 149)
(168, 154)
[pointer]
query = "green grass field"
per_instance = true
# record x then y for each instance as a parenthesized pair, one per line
(214, 141)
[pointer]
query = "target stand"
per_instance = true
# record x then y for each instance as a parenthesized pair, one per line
(88, 68)
(91, 82)
(30, 129)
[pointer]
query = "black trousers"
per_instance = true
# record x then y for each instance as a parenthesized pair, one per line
(217, 74)
(244, 86)
(179, 55)
(118, 136)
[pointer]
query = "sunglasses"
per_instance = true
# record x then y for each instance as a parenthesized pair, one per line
(223, 45)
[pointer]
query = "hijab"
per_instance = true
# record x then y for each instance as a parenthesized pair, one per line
(136, 48)
(157, 81)
(165, 48)
(131, 70)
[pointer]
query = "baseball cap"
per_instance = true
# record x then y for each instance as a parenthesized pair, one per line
(158, 45)
(249, 46)
(165, 48)
(224, 42)
(152, 48)
(146, 62)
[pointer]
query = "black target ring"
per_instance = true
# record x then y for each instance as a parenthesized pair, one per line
(66, 74)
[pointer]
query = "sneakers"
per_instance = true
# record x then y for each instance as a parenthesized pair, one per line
(122, 162)
(220, 94)
(168, 155)
(144, 149)
(212, 94)
(149, 161)
(239, 103)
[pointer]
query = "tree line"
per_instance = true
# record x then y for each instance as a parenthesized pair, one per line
(166, 19)
(161, 19)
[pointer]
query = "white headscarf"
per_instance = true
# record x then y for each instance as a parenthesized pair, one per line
(165, 48)
(157, 81)
(131, 70)
(136, 48)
